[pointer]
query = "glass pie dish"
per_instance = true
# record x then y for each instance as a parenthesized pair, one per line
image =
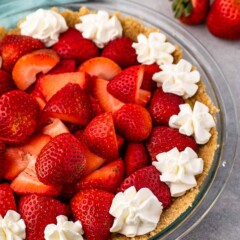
(217, 88)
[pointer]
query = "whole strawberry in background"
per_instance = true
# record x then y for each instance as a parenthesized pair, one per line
(224, 19)
(191, 11)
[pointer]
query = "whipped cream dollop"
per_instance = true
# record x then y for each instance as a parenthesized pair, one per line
(178, 79)
(64, 230)
(45, 25)
(197, 121)
(135, 212)
(178, 169)
(12, 227)
(153, 49)
(100, 28)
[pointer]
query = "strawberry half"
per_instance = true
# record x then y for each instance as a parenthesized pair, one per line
(71, 45)
(163, 106)
(39, 211)
(126, 86)
(163, 139)
(133, 122)
(100, 67)
(101, 138)
(64, 66)
(61, 161)
(6, 82)
(70, 104)
(7, 201)
(91, 207)
(28, 66)
(120, 50)
(135, 158)
(12, 47)
(107, 178)
(19, 116)
(148, 177)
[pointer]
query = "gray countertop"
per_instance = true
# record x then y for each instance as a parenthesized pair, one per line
(223, 221)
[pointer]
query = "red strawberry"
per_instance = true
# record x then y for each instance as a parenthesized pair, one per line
(6, 82)
(18, 116)
(133, 122)
(135, 158)
(51, 84)
(163, 139)
(163, 106)
(101, 138)
(147, 83)
(7, 201)
(224, 19)
(71, 45)
(61, 161)
(121, 52)
(106, 100)
(70, 104)
(107, 178)
(96, 107)
(39, 211)
(126, 86)
(120, 141)
(2, 159)
(28, 66)
(100, 67)
(191, 11)
(13, 47)
(64, 66)
(148, 177)
(91, 207)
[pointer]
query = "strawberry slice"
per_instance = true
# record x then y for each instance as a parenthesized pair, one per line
(70, 104)
(64, 66)
(101, 138)
(126, 86)
(6, 82)
(2, 159)
(50, 84)
(120, 141)
(18, 158)
(12, 47)
(28, 66)
(107, 178)
(100, 67)
(107, 101)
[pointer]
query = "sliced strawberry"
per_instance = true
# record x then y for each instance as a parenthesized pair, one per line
(107, 178)
(71, 45)
(27, 183)
(106, 100)
(12, 47)
(18, 158)
(2, 159)
(39, 211)
(148, 177)
(133, 122)
(120, 50)
(7, 201)
(148, 84)
(50, 84)
(28, 66)
(61, 161)
(96, 107)
(19, 116)
(163, 106)
(101, 138)
(91, 207)
(6, 82)
(64, 66)
(54, 128)
(135, 158)
(70, 104)
(126, 86)
(163, 139)
(120, 141)
(100, 67)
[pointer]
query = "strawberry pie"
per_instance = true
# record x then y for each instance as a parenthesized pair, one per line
(106, 131)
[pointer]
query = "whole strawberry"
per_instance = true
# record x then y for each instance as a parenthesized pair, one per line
(2, 158)
(91, 207)
(224, 19)
(39, 211)
(191, 11)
